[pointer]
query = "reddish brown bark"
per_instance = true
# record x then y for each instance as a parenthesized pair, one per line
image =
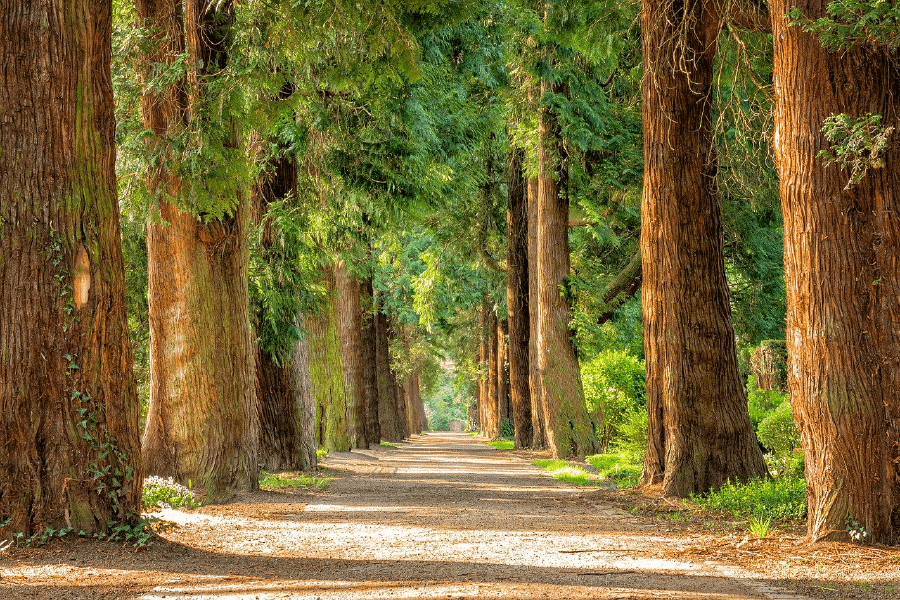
(700, 432)
(568, 427)
(67, 389)
(517, 301)
(842, 260)
(539, 438)
(350, 325)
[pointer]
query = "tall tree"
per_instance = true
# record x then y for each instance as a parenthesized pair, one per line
(517, 305)
(568, 426)
(842, 251)
(202, 423)
(699, 428)
(70, 453)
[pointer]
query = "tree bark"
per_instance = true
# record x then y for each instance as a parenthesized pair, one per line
(327, 373)
(699, 430)
(70, 453)
(538, 419)
(569, 427)
(350, 324)
(842, 259)
(517, 301)
(370, 365)
(388, 415)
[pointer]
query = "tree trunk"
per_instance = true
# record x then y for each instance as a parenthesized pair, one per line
(503, 409)
(350, 323)
(700, 433)
(67, 390)
(842, 260)
(277, 387)
(517, 301)
(569, 428)
(307, 408)
(370, 365)
(538, 419)
(388, 416)
(327, 373)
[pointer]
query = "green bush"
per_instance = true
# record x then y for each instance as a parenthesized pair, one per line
(761, 402)
(633, 437)
(779, 434)
(782, 498)
(613, 387)
(165, 493)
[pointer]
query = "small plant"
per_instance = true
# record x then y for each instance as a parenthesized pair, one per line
(856, 144)
(165, 493)
(856, 530)
(760, 526)
(501, 444)
(277, 481)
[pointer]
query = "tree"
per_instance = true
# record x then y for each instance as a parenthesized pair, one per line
(517, 305)
(699, 428)
(202, 423)
(70, 455)
(842, 248)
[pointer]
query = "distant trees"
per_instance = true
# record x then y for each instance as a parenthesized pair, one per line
(70, 455)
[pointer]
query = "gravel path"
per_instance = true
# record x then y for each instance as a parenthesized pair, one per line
(443, 516)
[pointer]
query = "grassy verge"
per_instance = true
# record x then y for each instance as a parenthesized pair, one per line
(776, 499)
(278, 481)
(621, 467)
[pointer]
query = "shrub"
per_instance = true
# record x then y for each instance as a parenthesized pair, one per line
(778, 433)
(165, 493)
(783, 498)
(613, 387)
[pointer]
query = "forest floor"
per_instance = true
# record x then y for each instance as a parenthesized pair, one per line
(446, 516)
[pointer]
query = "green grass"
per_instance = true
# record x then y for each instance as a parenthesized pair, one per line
(621, 467)
(777, 499)
(502, 444)
(563, 471)
(278, 481)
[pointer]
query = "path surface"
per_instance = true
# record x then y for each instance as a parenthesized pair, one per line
(445, 516)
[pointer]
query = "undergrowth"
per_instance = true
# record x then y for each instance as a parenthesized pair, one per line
(777, 499)
(277, 481)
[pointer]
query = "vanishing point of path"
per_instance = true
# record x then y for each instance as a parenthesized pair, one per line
(444, 516)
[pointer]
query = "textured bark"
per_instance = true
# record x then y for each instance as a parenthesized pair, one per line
(700, 432)
(65, 361)
(350, 325)
(278, 390)
(370, 370)
(503, 408)
(307, 408)
(327, 373)
(569, 428)
(388, 417)
(538, 426)
(517, 301)
(842, 261)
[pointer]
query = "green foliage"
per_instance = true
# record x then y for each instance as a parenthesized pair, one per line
(761, 403)
(622, 467)
(165, 493)
(502, 444)
(778, 499)
(277, 481)
(854, 22)
(613, 386)
(856, 144)
(569, 473)
(778, 432)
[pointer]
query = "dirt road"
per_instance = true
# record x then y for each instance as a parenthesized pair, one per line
(443, 516)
